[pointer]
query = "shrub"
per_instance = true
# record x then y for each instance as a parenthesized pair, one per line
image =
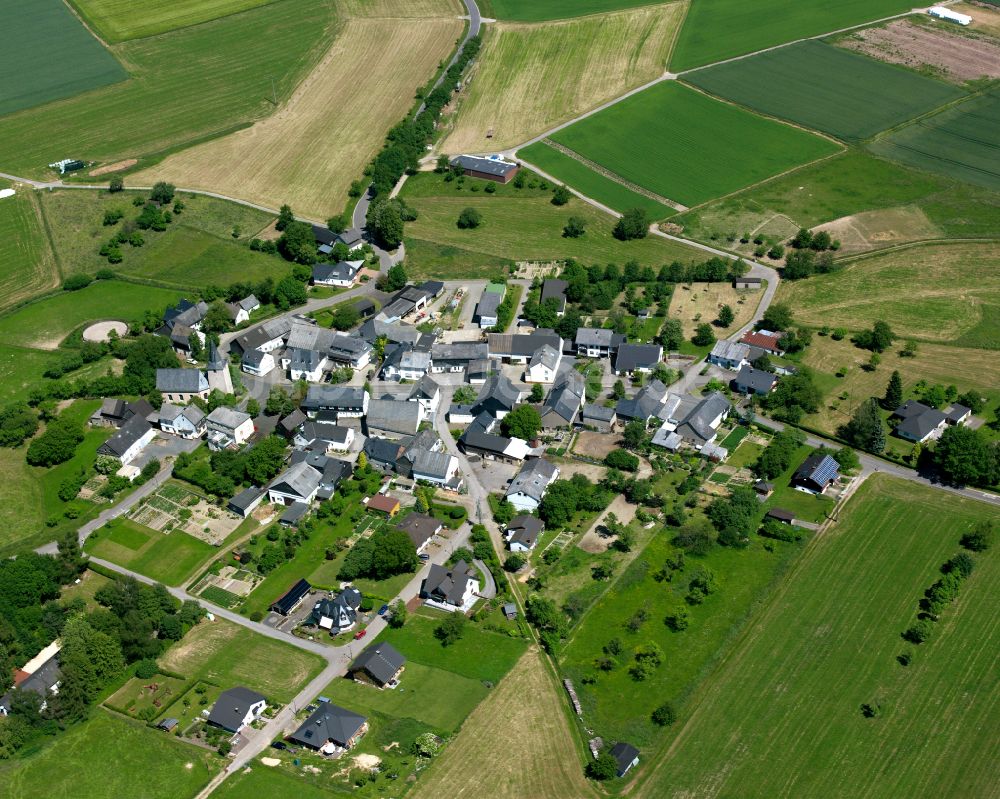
(603, 767)
(918, 632)
(145, 669)
(76, 282)
(664, 715)
(469, 218)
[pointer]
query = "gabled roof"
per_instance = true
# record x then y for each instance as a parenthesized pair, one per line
(554, 288)
(764, 340)
(181, 381)
(646, 403)
(347, 347)
(254, 358)
(300, 480)
(911, 408)
(727, 350)
(425, 388)
(489, 303)
(292, 421)
(328, 723)
(624, 755)
(318, 397)
(231, 707)
(594, 336)
(637, 356)
(249, 303)
(566, 399)
(818, 468)
(128, 434)
(598, 412)
(394, 416)
(420, 528)
(522, 345)
(547, 357)
(394, 332)
(449, 584)
(524, 530)
(247, 497)
(460, 351)
(432, 464)
(755, 379)
(380, 660)
(533, 479)
(382, 451)
(696, 426)
(383, 503)
(488, 166)
(497, 392)
(342, 270)
(229, 418)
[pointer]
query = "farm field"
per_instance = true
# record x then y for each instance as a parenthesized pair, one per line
(169, 558)
(259, 780)
(688, 147)
(195, 83)
(828, 643)
(937, 292)
(45, 323)
(428, 260)
(118, 20)
(26, 263)
(529, 78)
(86, 762)
(703, 300)
(540, 10)
(540, 757)
(225, 654)
(793, 83)
(984, 19)
(309, 151)
(715, 30)
(960, 142)
(523, 224)
(49, 55)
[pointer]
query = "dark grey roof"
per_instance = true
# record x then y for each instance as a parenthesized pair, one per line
(487, 166)
(525, 530)
(476, 435)
(292, 421)
(216, 363)
(342, 270)
(327, 432)
(180, 381)
(303, 360)
(756, 380)
(41, 681)
(956, 412)
(334, 397)
(449, 584)
(637, 356)
(523, 344)
(425, 388)
(246, 498)
(324, 235)
(231, 707)
(646, 403)
(328, 723)
(350, 348)
(228, 418)
(488, 304)
(553, 288)
(432, 287)
(598, 337)
(432, 464)
(254, 358)
(248, 303)
(380, 660)
(300, 480)
(393, 416)
(382, 451)
(394, 332)
(533, 479)
(128, 434)
(420, 528)
(566, 399)
(598, 412)
(291, 597)
(498, 393)
(625, 755)
(293, 513)
(911, 408)
(460, 351)
(696, 426)
(818, 468)
(920, 425)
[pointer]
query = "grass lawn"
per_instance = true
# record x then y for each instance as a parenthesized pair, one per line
(226, 654)
(86, 762)
(170, 558)
(689, 147)
(718, 29)
(428, 259)
(90, 583)
(790, 691)
(138, 695)
(539, 10)
(793, 83)
(477, 655)
(117, 20)
(259, 780)
(26, 264)
(440, 699)
(745, 455)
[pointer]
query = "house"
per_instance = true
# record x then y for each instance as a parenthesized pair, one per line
(565, 400)
(692, 421)
(339, 613)
(130, 440)
(554, 289)
(764, 340)
(292, 598)
(763, 489)
(298, 483)
(289, 425)
(438, 468)
(115, 412)
(919, 422)
(341, 274)
(185, 313)
(330, 729)
(597, 342)
(451, 589)
(543, 366)
(393, 332)
(350, 351)
(180, 338)
(332, 471)
(427, 393)
(181, 385)
(228, 428)
(597, 416)
(957, 414)
(817, 473)
(257, 362)
(781, 515)
(637, 358)
(380, 503)
(457, 356)
(324, 435)
(406, 301)
(509, 610)
(168, 725)
(729, 354)
(498, 397)
(754, 381)
(340, 401)
(489, 304)
(626, 756)
(393, 418)
(303, 364)
(520, 348)
(494, 167)
(530, 484)
(183, 421)
(479, 439)
(236, 708)
(40, 675)
(646, 404)
(379, 664)
(247, 501)
(406, 364)
(746, 282)
(266, 336)
(421, 529)
(382, 453)
(523, 532)
(240, 310)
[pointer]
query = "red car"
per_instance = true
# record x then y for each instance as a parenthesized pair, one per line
(360, 634)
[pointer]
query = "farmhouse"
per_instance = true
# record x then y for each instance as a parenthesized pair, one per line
(754, 381)
(451, 589)
(597, 416)
(292, 598)
(421, 529)
(324, 435)
(487, 309)
(187, 314)
(493, 168)
(240, 310)
(350, 351)
(646, 404)
(530, 484)
(457, 356)
(130, 440)
(298, 483)
(729, 354)
(523, 532)
(597, 342)
(919, 422)
(555, 290)
(404, 363)
(257, 362)
(181, 385)
(267, 336)
(330, 729)
(115, 412)
(637, 358)
(692, 421)
(380, 664)
(564, 401)
(764, 340)
(308, 365)
(340, 275)
(521, 347)
(228, 428)
(816, 474)
(186, 422)
(236, 708)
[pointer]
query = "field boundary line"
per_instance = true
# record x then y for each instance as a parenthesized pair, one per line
(965, 98)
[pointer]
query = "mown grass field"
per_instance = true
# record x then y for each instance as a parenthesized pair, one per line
(26, 263)
(715, 30)
(259, 780)
(309, 151)
(169, 558)
(827, 88)
(49, 55)
(531, 77)
(960, 142)
(427, 259)
(225, 654)
(937, 293)
(688, 147)
(118, 20)
(540, 10)
(781, 717)
(520, 741)
(184, 86)
(88, 761)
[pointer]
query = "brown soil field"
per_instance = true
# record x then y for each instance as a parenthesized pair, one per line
(117, 166)
(531, 77)
(696, 303)
(308, 152)
(956, 57)
(872, 229)
(530, 754)
(595, 445)
(985, 19)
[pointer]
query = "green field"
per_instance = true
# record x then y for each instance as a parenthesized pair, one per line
(719, 29)
(185, 86)
(826, 88)
(49, 55)
(781, 716)
(688, 147)
(960, 142)
(540, 10)
(169, 558)
(117, 20)
(26, 265)
(274, 784)
(86, 762)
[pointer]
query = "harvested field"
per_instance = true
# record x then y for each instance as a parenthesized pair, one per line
(27, 266)
(117, 166)
(955, 57)
(117, 20)
(695, 303)
(539, 756)
(308, 152)
(985, 19)
(531, 77)
(870, 230)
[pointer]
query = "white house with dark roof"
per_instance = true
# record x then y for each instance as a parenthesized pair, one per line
(340, 401)
(330, 729)
(451, 589)
(228, 428)
(340, 275)
(919, 422)
(350, 351)
(543, 366)
(130, 440)
(393, 418)
(379, 664)
(597, 342)
(240, 310)
(754, 381)
(554, 289)
(186, 421)
(565, 400)
(257, 362)
(428, 394)
(305, 364)
(637, 358)
(523, 532)
(236, 708)
(530, 484)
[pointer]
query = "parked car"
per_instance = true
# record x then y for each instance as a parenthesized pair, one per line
(360, 634)
(382, 610)
(424, 556)
(279, 745)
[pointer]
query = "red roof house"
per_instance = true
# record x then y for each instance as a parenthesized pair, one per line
(763, 340)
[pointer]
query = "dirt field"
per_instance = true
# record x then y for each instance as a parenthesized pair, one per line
(985, 19)
(530, 754)
(309, 151)
(117, 166)
(595, 445)
(873, 229)
(696, 303)
(531, 77)
(100, 331)
(955, 57)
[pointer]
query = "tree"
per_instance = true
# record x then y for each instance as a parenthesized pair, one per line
(265, 460)
(347, 316)
(671, 335)
(575, 227)
(450, 629)
(865, 430)
(603, 767)
(726, 316)
(278, 402)
(620, 459)
(979, 538)
(289, 292)
(561, 195)
(893, 392)
(18, 423)
(469, 218)
(664, 715)
(57, 444)
(966, 457)
(297, 243)
(397, 614)
(778, 316)
(396, 277)
(514, 562)
(537, 393)
(878, 339)
(847, 459)
(116, 184)
(632, 225)
(386, 223)
(162, 193)
(634, 434)
(285, 218)
(253, 407)
(703, 335)
(522, 422)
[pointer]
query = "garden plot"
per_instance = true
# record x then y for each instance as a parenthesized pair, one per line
(227, 587)
(174, 507)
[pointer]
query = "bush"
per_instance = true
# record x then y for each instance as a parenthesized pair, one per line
(918, 632)
(620, 459)
(145, 669)
(76, 282)
(469, 218)
(514, 562)
(664, 715)
(561, 195)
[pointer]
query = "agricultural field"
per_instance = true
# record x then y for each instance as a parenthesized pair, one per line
(309, 151)
(529, 78)
(938, 293)
(960, 142)
(539, 758)
(694, 303)
(259, 780)
(791, 689)
(118, 20)
(793, 83)
(26, 264)
(86, 760)
(541, 10)
(715, 30)
(985, 19)
(195, 83)
(45, 323)
(225, 654)
(49, 55)
(168, 558)
(688, 147)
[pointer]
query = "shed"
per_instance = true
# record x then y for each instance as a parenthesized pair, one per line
(383, 504)
(287, 603)
(781, 515)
